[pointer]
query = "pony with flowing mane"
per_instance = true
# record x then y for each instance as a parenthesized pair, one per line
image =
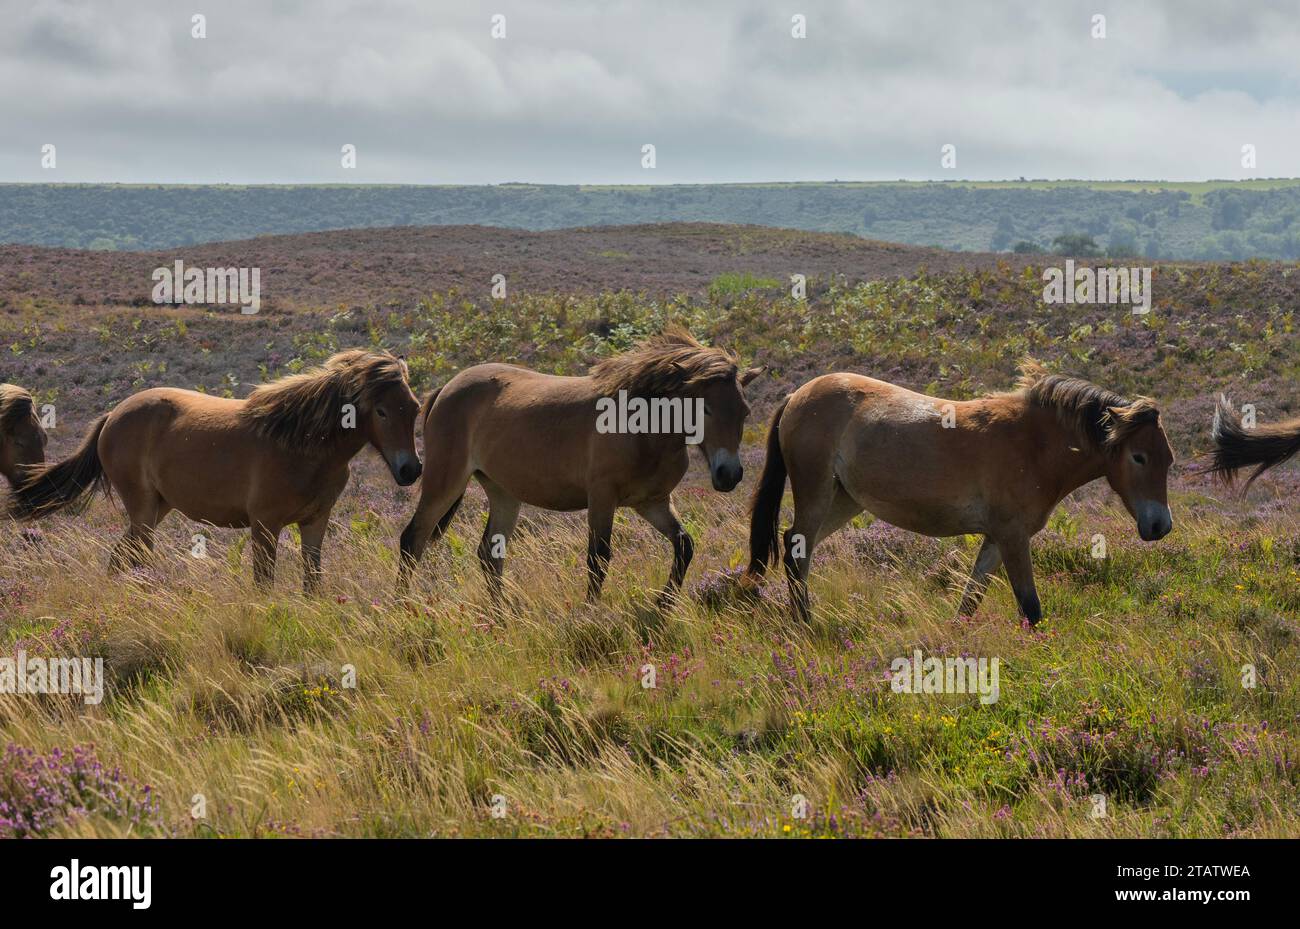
(539, 439)
(995, 466)
(22, 438)
(279, 457)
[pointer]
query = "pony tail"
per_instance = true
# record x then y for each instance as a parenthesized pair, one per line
(427, 405)
(49, 488)
(765, 507)
(1236, 447)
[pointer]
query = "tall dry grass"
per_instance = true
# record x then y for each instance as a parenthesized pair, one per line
(532, 719)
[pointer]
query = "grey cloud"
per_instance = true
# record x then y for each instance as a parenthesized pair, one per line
(576, 88)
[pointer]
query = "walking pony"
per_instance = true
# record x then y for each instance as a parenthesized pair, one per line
(22, 439)
(1237, 447)
(995, 466)
(277, 458)
(538, 439)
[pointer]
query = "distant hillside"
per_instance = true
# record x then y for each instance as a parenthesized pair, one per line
(392, 267)
(1212, 220)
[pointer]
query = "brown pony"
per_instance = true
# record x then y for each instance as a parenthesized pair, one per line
(22, 439)
(1236, 447)
(279, 457)
(536, 439)
(996, 466)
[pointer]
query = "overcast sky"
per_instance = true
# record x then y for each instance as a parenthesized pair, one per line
(574, 90)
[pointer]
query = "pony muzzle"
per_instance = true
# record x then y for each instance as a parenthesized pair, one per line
(405, 468)
(725, 470)
(1154, 521)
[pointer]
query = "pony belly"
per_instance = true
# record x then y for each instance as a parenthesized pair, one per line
(558, 499)
(222, 518)
(535, 482)
(204, 496)
(927, 517)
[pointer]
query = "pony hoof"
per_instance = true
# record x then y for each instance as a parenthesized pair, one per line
(749, 588)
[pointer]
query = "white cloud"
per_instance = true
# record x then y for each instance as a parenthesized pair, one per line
(574, 90)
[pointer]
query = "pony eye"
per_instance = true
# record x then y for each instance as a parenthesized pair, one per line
(380, 411)
(707, 411)
(1139, 458)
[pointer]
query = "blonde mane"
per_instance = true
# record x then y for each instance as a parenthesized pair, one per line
(306, 410)
(1101, 417)
(15, 405)
(664, 365)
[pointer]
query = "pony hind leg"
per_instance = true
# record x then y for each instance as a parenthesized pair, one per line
(419, 535)
(663, 516)
(843, 508)
(819, 512)
(145, 509)
(440, 498)
(503, 514)
(987, 561)
(813, 502)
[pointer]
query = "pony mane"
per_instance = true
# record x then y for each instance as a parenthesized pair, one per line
(304, 410)
(663, 365)
(15, 405)
(1101, 417)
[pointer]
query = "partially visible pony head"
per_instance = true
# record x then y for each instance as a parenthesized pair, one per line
(306, 411)
(22, 438)
(15, 405)
(665, 365)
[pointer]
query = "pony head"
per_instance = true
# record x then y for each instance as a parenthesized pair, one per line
(725, 412)
(1138, 458)
(674, 364)
(356, 392)
(1126, 433)
(22, 439)
(390, 411)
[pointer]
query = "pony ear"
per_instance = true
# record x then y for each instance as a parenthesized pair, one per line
(1141, 410)
(1119, 421)
(751, 374)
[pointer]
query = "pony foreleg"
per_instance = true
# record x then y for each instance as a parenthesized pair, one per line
(313, 534)
(600, 527)
(663, 517)
(1020, 571)
(987, 561)
(265, 540)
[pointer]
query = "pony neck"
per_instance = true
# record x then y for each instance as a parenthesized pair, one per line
(1068, 460)
(342, 450)
(352, 445)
